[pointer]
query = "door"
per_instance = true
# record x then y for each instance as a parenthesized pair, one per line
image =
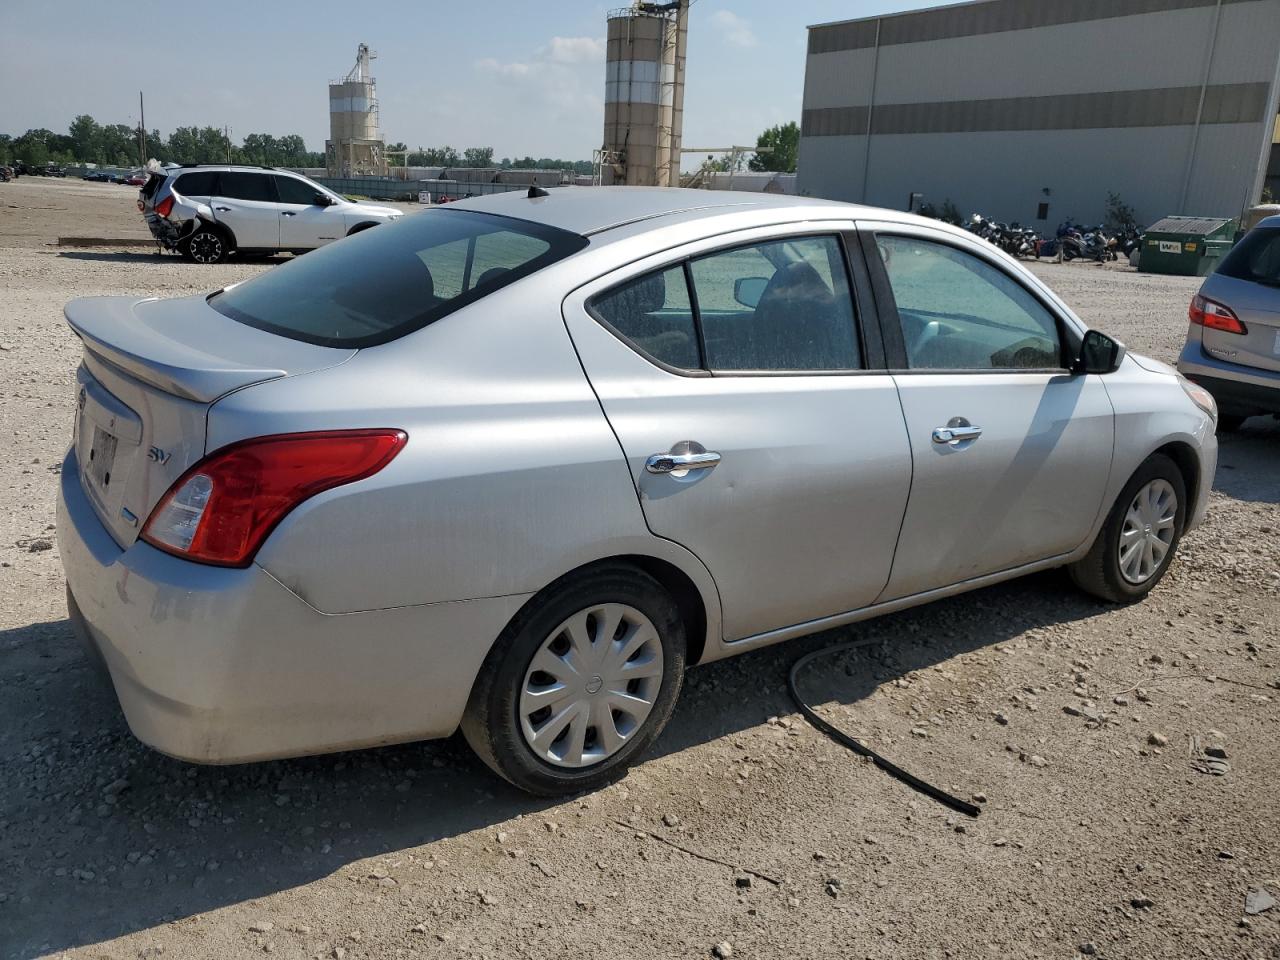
(246, 203)
(757, 434)
(1011, 451)
(305, 224)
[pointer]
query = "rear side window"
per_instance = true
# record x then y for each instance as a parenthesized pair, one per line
(382, 284)
(1256, 257)
(653, 313)
(152, 185)
(236, 185)
(203, 183)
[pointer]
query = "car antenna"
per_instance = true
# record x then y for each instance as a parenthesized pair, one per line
(537, 191)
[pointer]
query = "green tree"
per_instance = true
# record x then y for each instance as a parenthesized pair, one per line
(86, 139)
(477, 157)
(784, 140)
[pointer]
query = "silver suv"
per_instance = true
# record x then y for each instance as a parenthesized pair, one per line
(207, 212)
(1233, 343)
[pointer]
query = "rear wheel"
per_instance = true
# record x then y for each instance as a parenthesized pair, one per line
(206, 245)
(1140, 536)
(580, 683)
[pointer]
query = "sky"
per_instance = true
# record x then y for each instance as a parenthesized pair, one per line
(525, 78)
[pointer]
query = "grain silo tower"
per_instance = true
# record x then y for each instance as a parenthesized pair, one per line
(644, 94)
(355, 144)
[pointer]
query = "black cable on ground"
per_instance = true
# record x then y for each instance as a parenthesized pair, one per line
(840, 737)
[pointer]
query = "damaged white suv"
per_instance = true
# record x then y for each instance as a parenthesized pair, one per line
(206, 212)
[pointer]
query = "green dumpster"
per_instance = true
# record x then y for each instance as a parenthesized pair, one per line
(1185, 246)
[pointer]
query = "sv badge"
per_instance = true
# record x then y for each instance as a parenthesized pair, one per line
(156, 455)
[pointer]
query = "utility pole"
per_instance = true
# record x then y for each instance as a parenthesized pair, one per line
(226, 135)
(142, 132)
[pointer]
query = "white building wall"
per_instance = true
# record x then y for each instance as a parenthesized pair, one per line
(1004, 173)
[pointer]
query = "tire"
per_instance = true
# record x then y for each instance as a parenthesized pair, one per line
(1102, 571)
(1230, 422)
(207, 245)
(498, 723)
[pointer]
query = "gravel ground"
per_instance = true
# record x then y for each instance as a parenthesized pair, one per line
(1079, 728)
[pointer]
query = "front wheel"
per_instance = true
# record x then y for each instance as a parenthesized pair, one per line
(206, 245)
(580, 683)
(1137, 542)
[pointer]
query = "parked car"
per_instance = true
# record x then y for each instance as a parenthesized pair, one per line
(208, 212)
(1233, 342)
(97, 176)
(133, 180)
(511, 464)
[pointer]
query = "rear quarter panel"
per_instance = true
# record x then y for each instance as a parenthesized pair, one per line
(510, 479)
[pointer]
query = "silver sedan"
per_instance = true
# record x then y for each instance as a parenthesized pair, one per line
(513, 464)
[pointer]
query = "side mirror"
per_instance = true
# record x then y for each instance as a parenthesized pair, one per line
(748, 290)
(322, 200)
(1098, 354)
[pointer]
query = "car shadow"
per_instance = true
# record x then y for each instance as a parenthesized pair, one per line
(101, 837)
(1248, 461)
(116, 256)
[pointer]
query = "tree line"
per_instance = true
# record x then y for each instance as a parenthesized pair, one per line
(116, 144)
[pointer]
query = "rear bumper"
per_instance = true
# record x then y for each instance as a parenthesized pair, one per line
(1239, 390)
(216, 665)
(166, 231)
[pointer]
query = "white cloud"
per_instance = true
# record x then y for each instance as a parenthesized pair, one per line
(490, 65)
(575, 50)
(733, 29)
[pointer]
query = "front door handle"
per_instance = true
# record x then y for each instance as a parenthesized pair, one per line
(223, 209)
(288, 213)
(673, 462)
(957, 430)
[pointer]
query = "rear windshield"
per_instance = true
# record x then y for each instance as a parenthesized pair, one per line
(391, 280)
(1256, 257)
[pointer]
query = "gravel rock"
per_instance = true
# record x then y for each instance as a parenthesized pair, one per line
(722, 950)
(1258, 900)
(1157, 739)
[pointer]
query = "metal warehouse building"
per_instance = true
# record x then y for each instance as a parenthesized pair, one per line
(1033, 110)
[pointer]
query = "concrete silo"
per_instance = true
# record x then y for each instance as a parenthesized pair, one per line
(355, 143)
(644, 94)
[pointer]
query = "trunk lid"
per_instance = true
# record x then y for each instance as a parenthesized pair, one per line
(150, 372)
(1258, 307)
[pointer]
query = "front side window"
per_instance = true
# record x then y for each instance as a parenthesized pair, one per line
(292, 190)
(778, 306)
(237, 185)
(382, 284)
(960, 313)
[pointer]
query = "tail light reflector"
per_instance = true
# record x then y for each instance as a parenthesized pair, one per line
(165, 206)
(1209, 313)
(223, 508)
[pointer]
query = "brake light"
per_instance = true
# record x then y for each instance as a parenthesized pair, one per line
(165, 206)
(1208, 313)
(223, 508)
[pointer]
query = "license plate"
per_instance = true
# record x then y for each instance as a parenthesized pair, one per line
(1170, 246)
(102, 457)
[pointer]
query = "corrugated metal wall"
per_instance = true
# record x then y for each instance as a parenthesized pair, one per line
(1005, 105)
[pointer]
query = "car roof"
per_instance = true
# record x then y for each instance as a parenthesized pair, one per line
(591, 210)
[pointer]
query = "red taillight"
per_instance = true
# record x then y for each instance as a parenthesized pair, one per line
(1209, 313)
(222, 509)
(165, 206)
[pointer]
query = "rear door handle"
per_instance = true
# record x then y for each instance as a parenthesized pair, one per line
(288, 213)
(223, 209)
(954, 433)
(671, 462)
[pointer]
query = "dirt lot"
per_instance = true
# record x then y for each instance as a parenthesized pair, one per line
(1100, 834)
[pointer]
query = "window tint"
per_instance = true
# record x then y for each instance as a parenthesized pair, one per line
(782, 305)
(382, 284)
(291, 190)
(237, 185)
(653, 313)
(202, 183)
(960, 313)
(1256, 257)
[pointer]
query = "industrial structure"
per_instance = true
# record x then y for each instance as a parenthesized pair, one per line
(644, 95)
(355, 146)
(1036, 111)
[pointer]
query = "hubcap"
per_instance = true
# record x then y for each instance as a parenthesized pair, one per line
(205, 248)
(591, 685)
(1147, 533)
